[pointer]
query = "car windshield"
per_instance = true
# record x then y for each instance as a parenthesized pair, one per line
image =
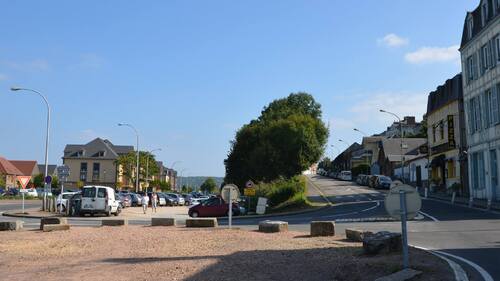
(89, 192)
(67, 196)
(385, 179)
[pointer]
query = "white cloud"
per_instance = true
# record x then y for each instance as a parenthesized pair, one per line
(393, 40)
(34, 65)
(433, 55)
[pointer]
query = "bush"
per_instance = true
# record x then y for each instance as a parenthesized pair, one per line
(282, 190)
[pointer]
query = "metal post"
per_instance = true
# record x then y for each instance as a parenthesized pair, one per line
(230, 209)
(402, 202)
(23, 202)
(137, 160)
(62, 190)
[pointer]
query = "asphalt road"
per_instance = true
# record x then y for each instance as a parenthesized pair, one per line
(472, 236)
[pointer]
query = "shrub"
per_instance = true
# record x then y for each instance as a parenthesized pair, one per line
(282, 190)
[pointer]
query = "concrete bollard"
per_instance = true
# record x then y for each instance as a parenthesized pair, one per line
(52, 220)
(55, 227)
(202, 222)
(114, 222)
(426, 192)
(356, 235)
(11, 225)
(162, 222)
(273, 226)
(322, 228)
(471, 202)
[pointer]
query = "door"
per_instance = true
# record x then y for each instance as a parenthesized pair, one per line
(419, 176)
(494, 174)
(101, 202)
(88, 198)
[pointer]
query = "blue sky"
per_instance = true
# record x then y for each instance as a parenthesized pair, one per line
(188, 74)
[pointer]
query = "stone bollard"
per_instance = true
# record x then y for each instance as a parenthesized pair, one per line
(202, 222)
(114, 222)
(273, 226)
(52, 220)
(162, 222)
(322, 228)
(11, 225)
(382, 242)
(356, 235)
(55, 227)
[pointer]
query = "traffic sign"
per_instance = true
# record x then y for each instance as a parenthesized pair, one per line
(48, 179)
(249, 191)
(249, 184)
(393, 202)
(63, 171)
(230, 189)
(24, 180)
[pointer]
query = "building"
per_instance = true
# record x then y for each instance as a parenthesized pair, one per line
(408, 125)
(391, 153)
(372, 148)
(343, 161)
(446, 136)
(415, 167)
(480, 56)
(95, 163)
(8, 173)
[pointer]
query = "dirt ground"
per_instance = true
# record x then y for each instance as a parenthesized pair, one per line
(174, 253)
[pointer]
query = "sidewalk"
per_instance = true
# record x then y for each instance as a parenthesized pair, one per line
(478, 203)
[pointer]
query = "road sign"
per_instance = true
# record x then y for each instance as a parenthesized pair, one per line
(235, 192)
(63, 171)
(249, 191)
(48, 179)
(249, 184)
(393, 205)
(24, 180)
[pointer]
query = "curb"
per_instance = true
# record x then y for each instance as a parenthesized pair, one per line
(278, 214)
(320, 192)
(27, 216)
(457, 269)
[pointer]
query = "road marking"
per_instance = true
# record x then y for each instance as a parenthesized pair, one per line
(460, 274)
(353, 213)
(320, 192)
(429, 216)
(486, 276)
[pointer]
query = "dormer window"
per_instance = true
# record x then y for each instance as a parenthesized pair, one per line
(484, 12)
(79, 153)
(470, 26)
(99, 154)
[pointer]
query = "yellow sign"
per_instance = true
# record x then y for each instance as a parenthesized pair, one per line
(249, 191)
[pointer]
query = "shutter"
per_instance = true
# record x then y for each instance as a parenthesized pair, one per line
(490, 50)
(486, 109)
(477, 111)
(494, 105)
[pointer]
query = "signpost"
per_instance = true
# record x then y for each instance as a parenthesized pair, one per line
(62, 174)
(24, 180)
(230, 193)
(403, 203)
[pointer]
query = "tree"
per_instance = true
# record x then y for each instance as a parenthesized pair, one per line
(2, 180)
(208, 185)
(38, 180)
(128, 163)
(285, 140)
(325, 164)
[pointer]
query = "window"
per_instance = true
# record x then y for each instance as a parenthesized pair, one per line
(493, 104)
(477, 113)
(496, 44)
(485, 58)
(83, 172)
(451, 169)
(434, 133)
(486, 108)
(484, 12)
(101, 193)
(470, 69)
(470, 26)
(478, 170)
(89, 192)
(441, 130)
(96, 171)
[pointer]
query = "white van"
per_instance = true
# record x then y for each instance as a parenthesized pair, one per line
(99, 200)
(346, 176)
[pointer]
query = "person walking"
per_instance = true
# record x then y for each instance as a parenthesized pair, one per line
(154, 202)
(145, 202)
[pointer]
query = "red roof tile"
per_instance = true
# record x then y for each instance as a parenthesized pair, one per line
(25, 166)
(7, 168)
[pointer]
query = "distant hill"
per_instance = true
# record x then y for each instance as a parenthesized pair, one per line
(196, 182)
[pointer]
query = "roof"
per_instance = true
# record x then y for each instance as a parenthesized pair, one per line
(27, 167)
(97, 148)
(8, 168)
(392, 147)
(450, 91)
(52, 169)
(477, 19)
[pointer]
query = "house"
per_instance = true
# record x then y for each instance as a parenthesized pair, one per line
(9, 173)
(480, 57)
(446, 136)
(395, 150)
(343, 162)
(415, 167)
(408, 126)
(27, 167)
(95, 163)
(371, 146)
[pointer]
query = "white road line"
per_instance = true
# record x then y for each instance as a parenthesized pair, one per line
(459, 272)
(486, 276)
(429, 216)
(353, 213)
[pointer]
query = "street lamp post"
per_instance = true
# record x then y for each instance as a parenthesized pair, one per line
(147, 166)
(401, 138)
(137, 164)
(46, 134)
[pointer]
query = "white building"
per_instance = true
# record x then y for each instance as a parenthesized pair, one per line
(480, 55)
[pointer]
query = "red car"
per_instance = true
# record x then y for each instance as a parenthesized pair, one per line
(213, 207)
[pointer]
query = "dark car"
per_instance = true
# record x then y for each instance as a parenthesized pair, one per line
(136, 200)
(383, 182)
(213, 207)
(75, 204)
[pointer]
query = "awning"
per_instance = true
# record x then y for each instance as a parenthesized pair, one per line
(438, 161)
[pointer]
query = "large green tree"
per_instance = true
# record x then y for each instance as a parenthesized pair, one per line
(209, 185)
(128, 163)
(285, 140)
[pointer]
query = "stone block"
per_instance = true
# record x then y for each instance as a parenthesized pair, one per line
(356, 235)
(273, 226)
(403, 275)
(11, 225)
(162, 222)
(114, 222)
(52, 220)
(55, 227)
(382, 243)
(202, 222)
(322, 228)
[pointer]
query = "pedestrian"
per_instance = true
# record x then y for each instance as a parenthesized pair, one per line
(154, 202)
(145, 202)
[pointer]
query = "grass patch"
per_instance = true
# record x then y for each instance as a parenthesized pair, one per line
(285, 194)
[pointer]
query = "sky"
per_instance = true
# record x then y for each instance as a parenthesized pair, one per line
(188, 74)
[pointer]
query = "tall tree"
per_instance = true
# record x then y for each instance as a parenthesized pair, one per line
(128, 163)
(208, 185)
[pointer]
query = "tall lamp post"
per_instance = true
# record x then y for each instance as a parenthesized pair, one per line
(338, 150)
(401, 138)
(137, 164)
(147, 166)
(15, 89)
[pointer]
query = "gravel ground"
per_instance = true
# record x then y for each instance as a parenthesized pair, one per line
(172, 253)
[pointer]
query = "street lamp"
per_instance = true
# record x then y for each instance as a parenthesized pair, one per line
(147, 166)
(401, 138)
(348, 145)
(15, 89)
(137, 164)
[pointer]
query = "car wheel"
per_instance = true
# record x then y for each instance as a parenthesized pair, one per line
(108, 213)
(195, 214)
(118, 211)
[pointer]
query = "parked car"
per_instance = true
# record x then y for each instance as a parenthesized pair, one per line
(383, 182)
(162, 199)
(31, 192)
(62, 200)
(187, 199)
(359, 179)
(372, 181)
(125, 199)
(75, 204)
(178, 199)
(213, 207)
(99, 199)
(136, 199)
(345, 176)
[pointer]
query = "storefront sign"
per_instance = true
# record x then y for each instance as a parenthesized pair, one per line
(451, 132)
